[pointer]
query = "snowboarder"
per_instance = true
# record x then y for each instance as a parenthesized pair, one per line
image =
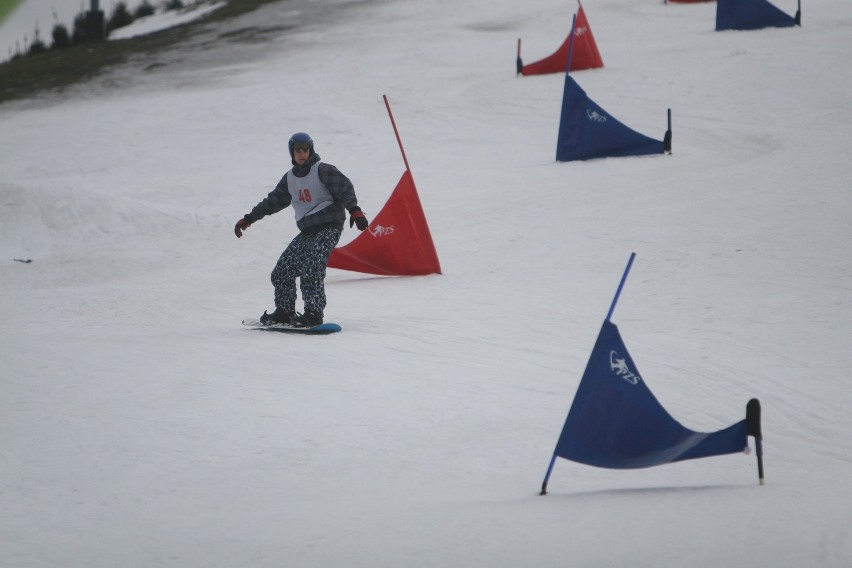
(319, 193)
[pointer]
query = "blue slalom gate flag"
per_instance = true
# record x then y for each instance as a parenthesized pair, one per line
(616, 422)
(587, 131)
(752, 15)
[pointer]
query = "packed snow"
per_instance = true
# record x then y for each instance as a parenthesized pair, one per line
(142, 425)
(164, 19)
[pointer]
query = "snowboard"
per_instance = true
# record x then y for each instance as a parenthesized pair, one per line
(321, 329)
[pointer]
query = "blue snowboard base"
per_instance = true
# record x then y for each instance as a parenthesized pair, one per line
(321, 329)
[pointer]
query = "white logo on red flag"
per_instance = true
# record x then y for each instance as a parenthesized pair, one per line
(380, 231)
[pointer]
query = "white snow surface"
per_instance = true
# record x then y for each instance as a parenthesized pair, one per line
(165, 19)
(142, 425)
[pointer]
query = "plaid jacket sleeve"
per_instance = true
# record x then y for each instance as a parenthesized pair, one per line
(338, 185)
(278, 199)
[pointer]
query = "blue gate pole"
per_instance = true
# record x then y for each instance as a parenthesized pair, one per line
(547, 475)
(571, 45)
(620, 286)
(608, 315)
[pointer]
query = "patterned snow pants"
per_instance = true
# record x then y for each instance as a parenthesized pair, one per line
(306, 257)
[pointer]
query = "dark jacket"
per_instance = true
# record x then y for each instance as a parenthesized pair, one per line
(338, 185)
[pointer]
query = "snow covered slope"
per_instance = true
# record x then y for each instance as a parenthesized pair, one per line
(142, 425)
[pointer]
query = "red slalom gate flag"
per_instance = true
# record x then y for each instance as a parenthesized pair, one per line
(585, 52)
(397, 242)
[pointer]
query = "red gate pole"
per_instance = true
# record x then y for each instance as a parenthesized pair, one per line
(396, 132)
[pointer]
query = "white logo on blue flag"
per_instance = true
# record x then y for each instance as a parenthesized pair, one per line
(618, 364)
(595, 116)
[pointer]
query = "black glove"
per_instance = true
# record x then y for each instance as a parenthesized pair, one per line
(357, 217)
(242, 225)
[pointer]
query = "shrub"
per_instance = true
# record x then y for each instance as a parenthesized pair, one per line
(37, 46)
(119, 18)
(174, 5)
(144, 9)
(61, 37)
(81, 29)
(78, 28)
